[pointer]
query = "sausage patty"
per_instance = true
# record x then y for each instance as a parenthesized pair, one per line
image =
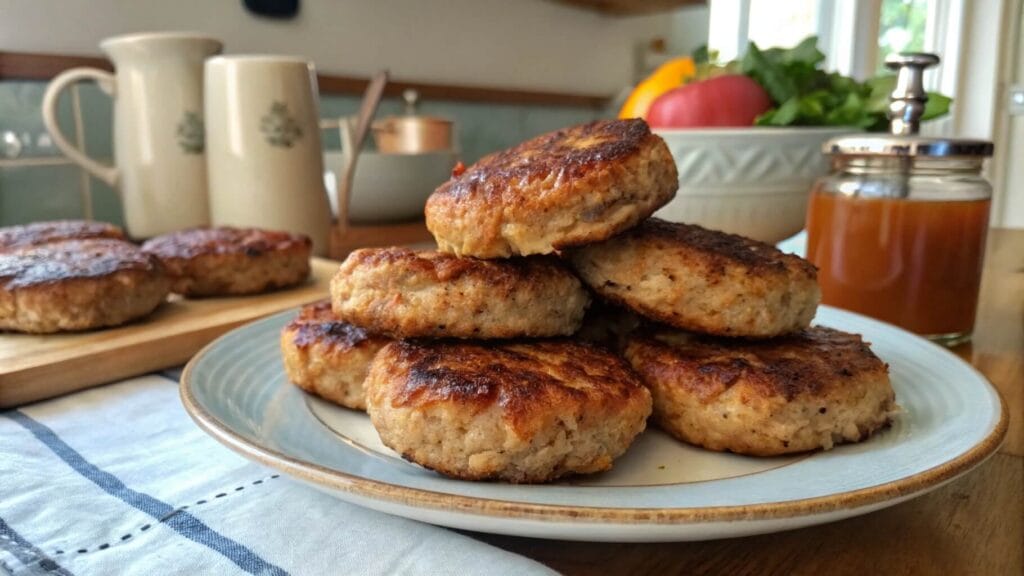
(567, 188)
(229, 261)
(328, 357)
(702, 280)
(796, 393)
(518, 412)
(405, 294)
(77, 285)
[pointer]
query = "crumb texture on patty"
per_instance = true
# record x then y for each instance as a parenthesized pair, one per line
(513, 411)
(232, 261)
(38, 233)
(567, 188)
(796, 393)
(405, 293)
(328, 357)
(702, 280)
(77, 285)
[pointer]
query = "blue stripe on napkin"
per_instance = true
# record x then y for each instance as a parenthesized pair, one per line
(179, 520)
(34, 560)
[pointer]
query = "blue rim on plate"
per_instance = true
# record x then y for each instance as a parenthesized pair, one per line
(952, 420)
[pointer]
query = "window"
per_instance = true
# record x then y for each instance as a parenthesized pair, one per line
(769, 26)
(901, 28)
(855, 35)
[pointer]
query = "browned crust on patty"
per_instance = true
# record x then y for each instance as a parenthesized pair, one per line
(71, 260)
(514, 411)
(232, 261)
(717, 249)
(521, 378)
(810, 363)
(38, 233)
(406, 293)
(501, 276)
(802, 392)
(572, 152)
(77, 285)
(328, 357)
(702, 280)
(224, 240)
(317, 324)
(570, 187)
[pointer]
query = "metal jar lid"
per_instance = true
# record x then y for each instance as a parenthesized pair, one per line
(906, 105)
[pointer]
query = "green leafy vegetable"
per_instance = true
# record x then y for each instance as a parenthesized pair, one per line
(806, 95)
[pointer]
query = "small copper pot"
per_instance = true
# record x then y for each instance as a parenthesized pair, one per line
(412, 134)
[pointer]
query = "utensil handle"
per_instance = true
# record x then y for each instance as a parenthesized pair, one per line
(105, 172)
(371, 99)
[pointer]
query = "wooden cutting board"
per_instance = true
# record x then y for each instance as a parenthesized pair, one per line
(37, 367)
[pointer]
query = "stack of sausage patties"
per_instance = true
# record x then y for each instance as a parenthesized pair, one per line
(465, 358)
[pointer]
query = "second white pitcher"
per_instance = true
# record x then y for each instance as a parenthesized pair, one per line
(263, 145)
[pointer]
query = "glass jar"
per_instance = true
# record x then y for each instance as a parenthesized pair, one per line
(902, 240)
(898, 229)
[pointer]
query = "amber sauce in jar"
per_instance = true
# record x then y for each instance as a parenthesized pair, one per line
(913, 263)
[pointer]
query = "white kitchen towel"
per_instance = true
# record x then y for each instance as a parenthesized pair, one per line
(119, 480)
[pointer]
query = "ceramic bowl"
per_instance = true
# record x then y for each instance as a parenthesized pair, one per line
(749, 181)
(388, 187)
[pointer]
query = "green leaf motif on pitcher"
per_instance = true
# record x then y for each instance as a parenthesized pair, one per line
(191, 138)
(279, 126)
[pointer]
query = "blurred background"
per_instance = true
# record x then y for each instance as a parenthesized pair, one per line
(502, 71)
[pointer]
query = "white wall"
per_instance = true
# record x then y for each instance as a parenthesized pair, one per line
(1011, 182)
(532, 44)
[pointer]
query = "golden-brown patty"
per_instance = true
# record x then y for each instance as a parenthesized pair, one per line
(519, 412)
(38, 233)
(232, 261)
(406, 294)
(702, 280)
(328, 357)
(796, 393)
(567, 188)
(77, 285)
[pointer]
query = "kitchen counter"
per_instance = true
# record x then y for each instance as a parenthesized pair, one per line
(974, 525)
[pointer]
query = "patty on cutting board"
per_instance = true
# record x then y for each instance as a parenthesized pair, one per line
(227, 261)
(38, 233)
(77, 285)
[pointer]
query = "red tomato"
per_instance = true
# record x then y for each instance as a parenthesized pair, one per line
(732, 100)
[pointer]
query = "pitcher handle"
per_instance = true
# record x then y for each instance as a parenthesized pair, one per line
(107, 173)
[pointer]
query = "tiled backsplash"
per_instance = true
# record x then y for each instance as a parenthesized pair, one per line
(39, 185)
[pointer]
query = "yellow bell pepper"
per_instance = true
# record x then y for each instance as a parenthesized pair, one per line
(671, 74)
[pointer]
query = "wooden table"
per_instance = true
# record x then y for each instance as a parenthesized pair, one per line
(974, 525)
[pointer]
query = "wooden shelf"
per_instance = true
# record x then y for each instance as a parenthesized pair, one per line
(29, 66)
(630, 7)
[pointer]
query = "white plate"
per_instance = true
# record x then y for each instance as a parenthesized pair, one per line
(661, 490)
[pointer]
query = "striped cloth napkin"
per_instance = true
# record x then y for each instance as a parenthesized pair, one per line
(118, 480)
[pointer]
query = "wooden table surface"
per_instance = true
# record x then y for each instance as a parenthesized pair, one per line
(974, 525)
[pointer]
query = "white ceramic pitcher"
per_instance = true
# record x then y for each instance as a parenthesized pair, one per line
(159, 143)
(266, 162)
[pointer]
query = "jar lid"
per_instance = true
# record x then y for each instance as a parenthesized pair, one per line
(906, 106)
(891, 145)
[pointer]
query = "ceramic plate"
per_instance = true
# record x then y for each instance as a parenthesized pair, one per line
(660, 490)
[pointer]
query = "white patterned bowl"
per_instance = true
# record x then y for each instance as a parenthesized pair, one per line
(749, 181)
